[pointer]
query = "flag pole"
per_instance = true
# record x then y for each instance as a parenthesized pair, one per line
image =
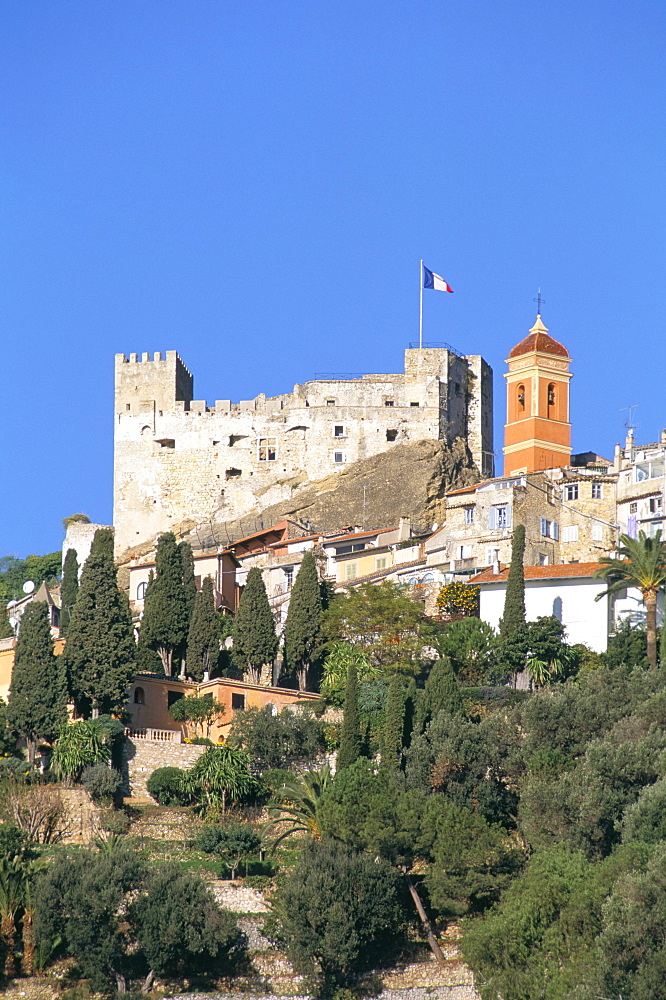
(421, 304)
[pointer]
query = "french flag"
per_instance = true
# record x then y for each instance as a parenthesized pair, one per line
(434, 281)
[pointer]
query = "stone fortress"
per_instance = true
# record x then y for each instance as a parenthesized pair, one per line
(179, 462)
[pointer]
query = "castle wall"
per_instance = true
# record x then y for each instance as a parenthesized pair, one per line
(179, 462)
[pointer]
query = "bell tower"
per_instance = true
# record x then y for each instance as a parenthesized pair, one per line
(537, 433)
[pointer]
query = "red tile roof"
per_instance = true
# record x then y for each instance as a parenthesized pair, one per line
(541, 342)
(561, 571)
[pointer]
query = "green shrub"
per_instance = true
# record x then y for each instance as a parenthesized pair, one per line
(115, 821)
(166, 785)
(209, 837)
(102, 783)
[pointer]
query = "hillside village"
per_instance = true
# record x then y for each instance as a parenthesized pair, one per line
(332, 707)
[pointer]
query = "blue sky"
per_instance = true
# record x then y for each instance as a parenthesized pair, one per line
(253, 185)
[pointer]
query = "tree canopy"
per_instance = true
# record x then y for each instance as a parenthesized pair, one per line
(383, 623)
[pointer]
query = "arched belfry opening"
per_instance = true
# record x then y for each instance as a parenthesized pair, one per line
(537, 434)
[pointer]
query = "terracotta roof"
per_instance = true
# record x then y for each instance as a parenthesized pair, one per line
(336, 539)
(561, 571)
(538, 339)
(468, 489)
(381, 573)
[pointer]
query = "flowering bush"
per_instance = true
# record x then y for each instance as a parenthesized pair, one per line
(458, 597)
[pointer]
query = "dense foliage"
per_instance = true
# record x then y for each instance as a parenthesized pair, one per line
(278, 740)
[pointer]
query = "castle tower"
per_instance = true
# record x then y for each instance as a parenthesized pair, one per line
(537, 433)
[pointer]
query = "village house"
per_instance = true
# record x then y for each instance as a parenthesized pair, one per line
(570, 592)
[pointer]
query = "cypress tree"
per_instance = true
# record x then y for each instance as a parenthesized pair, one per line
(203, 640)
(662, 646)
(165, 616)
(302, 630)
(350, 737)
(6, 631)
(100, 654)
(255, 641)
(514, 601)
(513, 639)
(189, 583)
(38, 696)
(69, 588)
(394, 723)
(441, 693)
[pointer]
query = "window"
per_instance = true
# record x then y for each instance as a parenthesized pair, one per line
(571, 491)
(388, 402)
(633, 508)
(550, 493)
(139, 696)
(168, 443)
(570, 533)
(173, 697)
(549, 529)
(288, 577)
(128, 406)
(350, 571)
(464, 551)
(414, 404)
(237, 701)
(232, 473)
(267, 450)
(330, 402)
(391, 435)
(380, 562)
(141, 591)
(338, 457)
(499, 517)
(597, 491)
(597, 532)
(654, 504)
(469, 515)
(521, 398)
(492, 555)
(543, 559)
(338, 431)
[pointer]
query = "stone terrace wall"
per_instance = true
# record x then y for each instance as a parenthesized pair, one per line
(142, 757)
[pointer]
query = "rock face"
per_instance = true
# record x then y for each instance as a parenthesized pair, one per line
(409, 481)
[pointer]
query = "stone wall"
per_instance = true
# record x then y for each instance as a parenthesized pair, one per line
(178, 460)
(142, 757)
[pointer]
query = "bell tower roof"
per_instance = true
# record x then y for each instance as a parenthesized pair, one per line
(538, 339)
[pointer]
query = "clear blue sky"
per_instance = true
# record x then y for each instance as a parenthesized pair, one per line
(253, 184)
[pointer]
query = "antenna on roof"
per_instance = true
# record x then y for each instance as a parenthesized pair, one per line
(630, 423)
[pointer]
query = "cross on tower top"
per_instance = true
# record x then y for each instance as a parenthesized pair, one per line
(539, 301)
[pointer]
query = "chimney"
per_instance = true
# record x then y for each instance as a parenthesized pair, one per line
(496, 568)
(404, 529)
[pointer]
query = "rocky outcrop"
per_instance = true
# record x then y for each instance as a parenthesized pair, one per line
(410, 480)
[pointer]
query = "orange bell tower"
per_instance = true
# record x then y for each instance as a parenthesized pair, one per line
(537, 433)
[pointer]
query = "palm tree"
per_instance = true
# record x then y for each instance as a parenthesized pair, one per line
(640, 563)
(300, 800)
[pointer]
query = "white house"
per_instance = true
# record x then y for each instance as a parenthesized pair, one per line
(568, 592)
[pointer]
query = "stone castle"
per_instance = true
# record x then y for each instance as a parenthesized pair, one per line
(179, 462)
